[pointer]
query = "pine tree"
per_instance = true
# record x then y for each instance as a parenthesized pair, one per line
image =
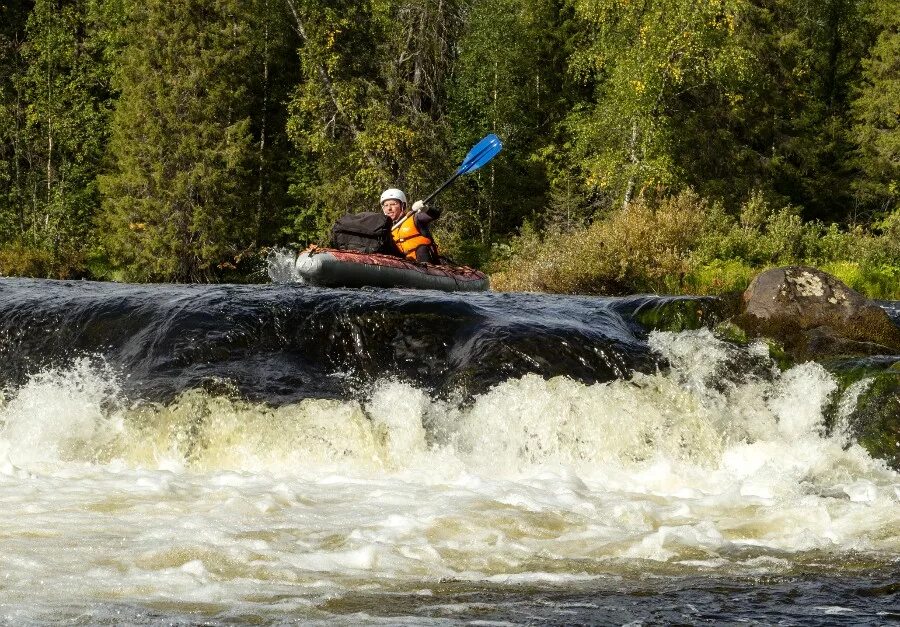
(179, 202)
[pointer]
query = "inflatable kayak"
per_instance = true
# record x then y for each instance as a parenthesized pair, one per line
(330, 267)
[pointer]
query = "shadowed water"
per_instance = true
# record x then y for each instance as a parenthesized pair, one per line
(284, 342)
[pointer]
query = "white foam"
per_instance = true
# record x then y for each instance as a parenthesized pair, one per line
(61, 415)
(533, 481)
(811, 383)
(281, 266)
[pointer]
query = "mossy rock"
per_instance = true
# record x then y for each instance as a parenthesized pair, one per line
(875, 422)
(814, 315)
(730, 332)
(682, 313)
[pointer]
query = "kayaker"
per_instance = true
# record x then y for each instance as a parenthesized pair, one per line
(410, 229)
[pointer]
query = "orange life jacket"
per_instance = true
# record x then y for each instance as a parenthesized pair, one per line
(408, 237)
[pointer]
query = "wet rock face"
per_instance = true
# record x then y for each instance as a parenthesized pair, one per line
(875, 421)
(814, 314)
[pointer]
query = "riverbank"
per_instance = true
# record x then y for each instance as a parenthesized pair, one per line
(687, 245)
(679, 245)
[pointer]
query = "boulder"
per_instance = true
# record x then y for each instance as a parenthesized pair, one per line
(874, 421)
(815, 315)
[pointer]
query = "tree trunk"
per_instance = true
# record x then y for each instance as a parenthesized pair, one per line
(49, 134)
(629, 189)
(262, 172)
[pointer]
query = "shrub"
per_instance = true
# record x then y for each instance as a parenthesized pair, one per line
(17, 259)
(685, 244)
(720, 276)
(641, 248)
(880, 282)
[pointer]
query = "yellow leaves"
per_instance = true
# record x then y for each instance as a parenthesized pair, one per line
(329, 39)
(597, 180)
(137, 226)
(638, 86)
(723, 21)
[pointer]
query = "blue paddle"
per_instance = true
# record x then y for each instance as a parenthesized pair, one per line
(481, 153)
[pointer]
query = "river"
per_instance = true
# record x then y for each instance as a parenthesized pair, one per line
(217, 455)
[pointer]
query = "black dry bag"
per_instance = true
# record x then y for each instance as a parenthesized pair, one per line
(368, 232)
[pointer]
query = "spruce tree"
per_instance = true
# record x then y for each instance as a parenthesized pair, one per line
(877, 114)
(180, 202)
(13, 18)
(270, 79)
(793, 113)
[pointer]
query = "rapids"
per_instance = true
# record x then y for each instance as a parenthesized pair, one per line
(274, 454)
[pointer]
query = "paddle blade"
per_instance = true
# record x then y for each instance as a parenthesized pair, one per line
(481, 153)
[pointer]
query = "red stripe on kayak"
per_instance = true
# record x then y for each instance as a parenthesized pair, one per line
(460, 273)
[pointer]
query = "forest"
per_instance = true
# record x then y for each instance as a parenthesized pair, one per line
(650, 145)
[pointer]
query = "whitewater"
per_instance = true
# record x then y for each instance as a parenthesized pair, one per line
(695, 492)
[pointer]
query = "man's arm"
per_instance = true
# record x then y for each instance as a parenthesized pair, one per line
(423, 210)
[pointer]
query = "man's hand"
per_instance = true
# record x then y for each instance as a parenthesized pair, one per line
(419, 206)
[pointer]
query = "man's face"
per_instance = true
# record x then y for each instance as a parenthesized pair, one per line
(392, 209)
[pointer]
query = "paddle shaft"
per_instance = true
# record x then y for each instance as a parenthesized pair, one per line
(441, 188)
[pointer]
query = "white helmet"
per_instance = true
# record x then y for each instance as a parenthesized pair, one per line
(393, 194)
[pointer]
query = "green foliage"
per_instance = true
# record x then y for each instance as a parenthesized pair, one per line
(645, 248)
(18, 260)
(877, 113)
(641, 60)
(677, 314)
(878, 282)
(720, 276)
(365, 115)
(56, 119)
(792, 115)
(175, 203)
(270, 78)
(239, 125)
(684, 244)
(13, 18)
(875, 420)
(509, 80)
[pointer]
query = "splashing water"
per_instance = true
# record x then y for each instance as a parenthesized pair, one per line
(281, 266)
(226, 508)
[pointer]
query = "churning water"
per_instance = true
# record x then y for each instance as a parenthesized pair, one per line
(221, 455)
